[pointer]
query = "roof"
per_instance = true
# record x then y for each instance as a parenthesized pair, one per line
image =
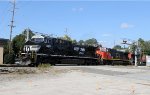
(3, 41)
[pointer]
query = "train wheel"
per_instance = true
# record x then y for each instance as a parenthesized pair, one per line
(102, 61)
(26, 62)
(38, 61)
(52, 63)
(112, 63)
(37, 64)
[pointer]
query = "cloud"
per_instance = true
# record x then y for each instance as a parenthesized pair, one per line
(126, 26)
(78, 9)
(81, 9)
(74, 9)
(106, 35)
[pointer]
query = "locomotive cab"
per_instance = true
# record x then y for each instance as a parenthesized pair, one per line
(38, 43)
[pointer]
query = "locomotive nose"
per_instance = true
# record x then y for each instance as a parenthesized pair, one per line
(26, 48)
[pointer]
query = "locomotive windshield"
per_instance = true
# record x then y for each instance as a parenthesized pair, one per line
(37, 38)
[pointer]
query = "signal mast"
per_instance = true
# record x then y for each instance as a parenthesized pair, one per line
(137, 48)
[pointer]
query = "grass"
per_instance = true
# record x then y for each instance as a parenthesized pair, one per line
(44, 67)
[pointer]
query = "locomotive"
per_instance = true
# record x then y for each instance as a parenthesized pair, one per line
(114, 57)
(45, 49)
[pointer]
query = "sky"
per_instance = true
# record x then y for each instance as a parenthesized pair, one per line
(108, 21)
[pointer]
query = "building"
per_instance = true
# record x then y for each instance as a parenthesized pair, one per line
(2, 42)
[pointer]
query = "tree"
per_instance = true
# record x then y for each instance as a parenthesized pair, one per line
(30, 33)
(6, 48)
(18, 43)
(66, 37)
(144, 45)
(117, 47)
(74, 41)
(141, 44)
(91, 41)
(81, 42)
(146, 49)
(19, 40)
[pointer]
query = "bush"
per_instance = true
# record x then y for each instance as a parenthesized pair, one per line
(9, 58)
(44, 65)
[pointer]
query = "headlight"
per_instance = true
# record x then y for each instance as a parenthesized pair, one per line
(35, 48)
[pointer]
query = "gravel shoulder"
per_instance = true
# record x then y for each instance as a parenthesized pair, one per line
(78, 80)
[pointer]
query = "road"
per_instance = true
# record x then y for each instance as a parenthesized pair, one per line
(80, 80)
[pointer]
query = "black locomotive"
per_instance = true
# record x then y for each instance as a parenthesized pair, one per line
(43, 49)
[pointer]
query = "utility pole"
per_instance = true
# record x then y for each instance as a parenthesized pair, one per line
(12, 25)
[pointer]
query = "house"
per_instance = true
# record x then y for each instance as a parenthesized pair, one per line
(2, 42)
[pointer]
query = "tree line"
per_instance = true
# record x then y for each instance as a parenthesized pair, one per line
(91, 41)
(19, 41)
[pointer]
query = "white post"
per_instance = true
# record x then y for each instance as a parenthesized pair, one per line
(136, 57)
(136, 48)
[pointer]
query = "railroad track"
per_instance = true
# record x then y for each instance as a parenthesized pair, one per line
(17, 69)
(13, 65)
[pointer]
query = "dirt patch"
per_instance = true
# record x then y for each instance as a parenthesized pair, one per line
(19, 70)
(18, 73)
